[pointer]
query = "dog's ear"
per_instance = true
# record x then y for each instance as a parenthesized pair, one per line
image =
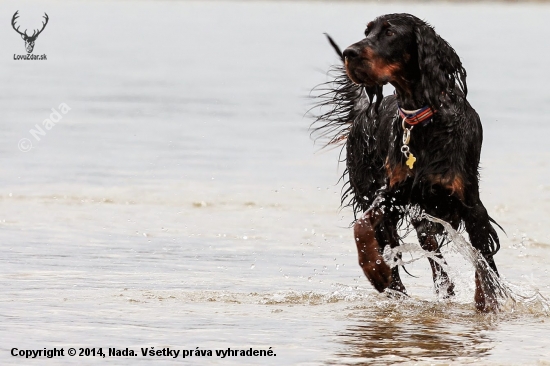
(440, 66)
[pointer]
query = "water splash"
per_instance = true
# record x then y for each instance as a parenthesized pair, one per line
(510, 297)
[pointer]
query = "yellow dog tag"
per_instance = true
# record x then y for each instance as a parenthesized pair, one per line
(410, 161)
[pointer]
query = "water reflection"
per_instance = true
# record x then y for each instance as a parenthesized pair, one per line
(428, 332)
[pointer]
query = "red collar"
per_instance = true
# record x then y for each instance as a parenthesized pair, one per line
(418, 116)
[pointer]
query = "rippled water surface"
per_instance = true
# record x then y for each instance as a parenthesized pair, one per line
(181, 203)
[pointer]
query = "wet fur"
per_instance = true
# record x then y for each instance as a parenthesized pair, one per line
(405, 51)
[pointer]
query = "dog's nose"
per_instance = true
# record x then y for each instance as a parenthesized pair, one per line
(350, 53)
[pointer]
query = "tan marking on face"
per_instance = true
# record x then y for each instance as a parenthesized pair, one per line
(349, 73)
(379, 68)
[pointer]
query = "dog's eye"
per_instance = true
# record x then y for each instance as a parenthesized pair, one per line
(367, 32)
(389, 33)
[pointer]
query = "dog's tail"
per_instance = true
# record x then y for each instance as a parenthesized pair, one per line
(335, 46)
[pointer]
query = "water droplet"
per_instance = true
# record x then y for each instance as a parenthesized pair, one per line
(252, 266)
(378, 261)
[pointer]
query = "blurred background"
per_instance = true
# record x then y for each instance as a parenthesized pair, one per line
(181, 202)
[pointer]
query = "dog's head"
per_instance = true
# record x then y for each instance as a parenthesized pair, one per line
(403, 50)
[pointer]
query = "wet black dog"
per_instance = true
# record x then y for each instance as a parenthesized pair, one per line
(415, 151)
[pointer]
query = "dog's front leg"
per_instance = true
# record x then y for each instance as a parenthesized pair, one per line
(368, 231)
(427, 237)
